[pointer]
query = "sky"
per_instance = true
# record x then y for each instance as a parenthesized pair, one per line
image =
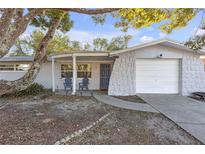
(85, 30)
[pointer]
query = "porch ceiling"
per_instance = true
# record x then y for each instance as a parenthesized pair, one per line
(86, 58)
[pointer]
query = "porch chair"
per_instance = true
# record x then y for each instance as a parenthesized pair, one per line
(68, 84)
(84, 83)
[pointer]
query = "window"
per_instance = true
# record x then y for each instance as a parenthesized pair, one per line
(66, 70)
(14, 67)
(7, 67)
(82, 70)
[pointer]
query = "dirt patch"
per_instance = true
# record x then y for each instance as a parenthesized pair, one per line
(134, 99)
(132, 127)
(47, 119)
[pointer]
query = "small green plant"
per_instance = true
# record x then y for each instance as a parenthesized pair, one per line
(33, 89)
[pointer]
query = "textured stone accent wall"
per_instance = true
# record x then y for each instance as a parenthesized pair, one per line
(122, 80)
(193, 75)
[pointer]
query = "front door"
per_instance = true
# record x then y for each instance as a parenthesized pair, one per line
(104, 76)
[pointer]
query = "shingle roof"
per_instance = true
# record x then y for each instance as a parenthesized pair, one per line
(16, 58)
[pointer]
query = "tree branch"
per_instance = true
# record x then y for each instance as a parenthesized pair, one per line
(5, 21)
(16, 29)
(29, 77)
(90, 11)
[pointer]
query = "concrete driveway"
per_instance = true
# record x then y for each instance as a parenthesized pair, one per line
(188, 113)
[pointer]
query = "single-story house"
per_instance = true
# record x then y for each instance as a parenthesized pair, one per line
(162, 66)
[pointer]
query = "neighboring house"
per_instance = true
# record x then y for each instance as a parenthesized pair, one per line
(162, 66)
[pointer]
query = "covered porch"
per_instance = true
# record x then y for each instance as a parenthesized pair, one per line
(98, 67)
(87, 93)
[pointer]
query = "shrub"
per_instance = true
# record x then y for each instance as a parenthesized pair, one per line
(33, 89)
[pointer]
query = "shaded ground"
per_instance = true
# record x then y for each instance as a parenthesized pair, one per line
(197, 98)
(134, 99)
(46, 119)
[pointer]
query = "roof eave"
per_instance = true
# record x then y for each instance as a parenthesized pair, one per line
(81, 54)
(158, 42)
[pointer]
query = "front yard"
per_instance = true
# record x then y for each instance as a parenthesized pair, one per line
(46, 119)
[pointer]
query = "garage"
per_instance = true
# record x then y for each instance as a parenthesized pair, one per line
(157, 76)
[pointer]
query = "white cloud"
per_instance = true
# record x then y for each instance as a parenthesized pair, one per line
(145, 39)
(162, 35)
(82, 36)
(88, 36)
(198, 32)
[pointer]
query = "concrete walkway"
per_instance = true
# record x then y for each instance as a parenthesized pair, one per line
(124, 104)
(188, 113)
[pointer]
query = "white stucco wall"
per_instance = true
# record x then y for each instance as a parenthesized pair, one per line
(192, 76)
(45, 76)
(10, 76)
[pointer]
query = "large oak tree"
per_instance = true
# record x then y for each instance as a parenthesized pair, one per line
(13, 22)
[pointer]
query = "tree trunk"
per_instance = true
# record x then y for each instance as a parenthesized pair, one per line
(5, 22)
(29, 77)
(16, 29)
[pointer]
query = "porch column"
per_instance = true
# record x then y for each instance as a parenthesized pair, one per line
(53, 75)
(74, 75)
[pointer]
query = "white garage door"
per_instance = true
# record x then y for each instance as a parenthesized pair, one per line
(157, 76)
